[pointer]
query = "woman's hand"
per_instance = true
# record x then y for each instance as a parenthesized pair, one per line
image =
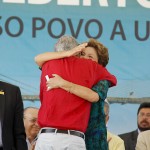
(55, 82)
(76, 50)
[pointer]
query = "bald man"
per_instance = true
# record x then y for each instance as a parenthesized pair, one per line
(31, 126)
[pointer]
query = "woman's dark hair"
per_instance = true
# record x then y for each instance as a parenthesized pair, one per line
(102, 51)
(143, 105)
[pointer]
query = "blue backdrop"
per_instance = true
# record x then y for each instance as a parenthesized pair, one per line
(28, 28)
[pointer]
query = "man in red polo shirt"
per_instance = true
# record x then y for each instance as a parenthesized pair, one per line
(61, 111)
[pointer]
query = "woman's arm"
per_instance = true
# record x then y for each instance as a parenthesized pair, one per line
(78, 90)
(101, 88)
(42, 58)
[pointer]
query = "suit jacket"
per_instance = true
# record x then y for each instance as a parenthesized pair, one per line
(143, 141)
(130, 139)
(11, 109)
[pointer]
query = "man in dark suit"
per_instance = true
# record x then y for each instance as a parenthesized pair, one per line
(143, 122)
(12, 132)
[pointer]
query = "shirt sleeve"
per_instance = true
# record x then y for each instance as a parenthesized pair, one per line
(101, 88)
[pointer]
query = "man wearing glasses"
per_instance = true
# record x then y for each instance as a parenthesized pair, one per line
(31, 126)
(143, 122)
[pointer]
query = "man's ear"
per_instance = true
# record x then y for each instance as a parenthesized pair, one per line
(107, 118)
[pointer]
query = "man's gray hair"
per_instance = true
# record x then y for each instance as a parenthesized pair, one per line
(65, 42)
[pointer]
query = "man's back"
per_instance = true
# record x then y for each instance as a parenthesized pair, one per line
(130, 139)
(61, 109)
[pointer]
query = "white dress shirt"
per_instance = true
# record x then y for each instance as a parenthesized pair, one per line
(28, 143)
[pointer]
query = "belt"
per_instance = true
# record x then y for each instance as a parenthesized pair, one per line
(71, 132)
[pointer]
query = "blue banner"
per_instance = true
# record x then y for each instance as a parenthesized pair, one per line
(30, 27)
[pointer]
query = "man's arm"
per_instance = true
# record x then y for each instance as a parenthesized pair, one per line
(42, 58)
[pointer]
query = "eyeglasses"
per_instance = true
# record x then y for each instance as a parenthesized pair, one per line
(144, 115)
(32, 120)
